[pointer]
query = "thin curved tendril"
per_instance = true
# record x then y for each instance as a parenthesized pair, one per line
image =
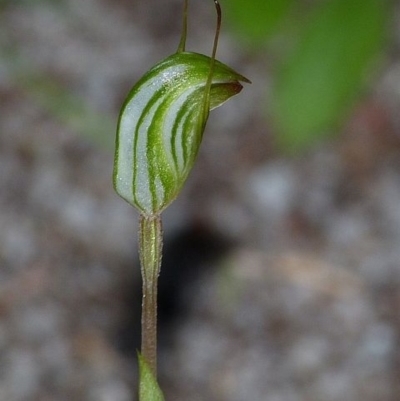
(212, 63)
(182, 43)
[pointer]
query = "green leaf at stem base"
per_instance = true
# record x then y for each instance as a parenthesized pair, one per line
(148, 386)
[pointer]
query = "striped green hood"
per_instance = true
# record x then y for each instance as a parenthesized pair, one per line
(161, 125)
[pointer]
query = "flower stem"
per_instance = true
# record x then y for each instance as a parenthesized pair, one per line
(150, 248)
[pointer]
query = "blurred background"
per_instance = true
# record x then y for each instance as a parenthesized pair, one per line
(281, 275)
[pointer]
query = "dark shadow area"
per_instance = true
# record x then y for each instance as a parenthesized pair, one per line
(188, 255)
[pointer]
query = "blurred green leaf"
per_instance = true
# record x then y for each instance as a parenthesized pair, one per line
(59, 101)
(71, 110)
(148, 386)
(256, 19)
(327, 69)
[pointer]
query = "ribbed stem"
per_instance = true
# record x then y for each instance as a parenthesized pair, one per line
(150, 248)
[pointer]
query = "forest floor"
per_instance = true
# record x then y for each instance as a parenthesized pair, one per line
(281, 275)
